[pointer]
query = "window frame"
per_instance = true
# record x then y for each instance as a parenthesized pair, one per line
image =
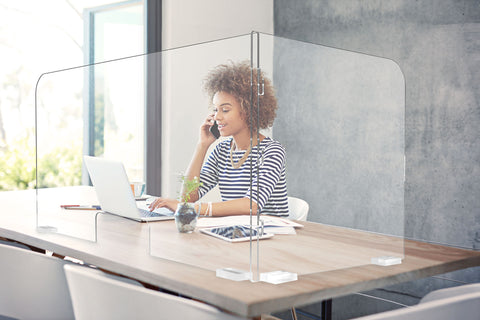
(153, 88)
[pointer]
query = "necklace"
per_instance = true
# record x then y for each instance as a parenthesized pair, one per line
(238, 164)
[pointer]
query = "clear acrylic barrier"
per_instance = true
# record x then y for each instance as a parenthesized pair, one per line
(184, 108)
(53, 217)
(59, 148)
(100, 110)
(340, 117)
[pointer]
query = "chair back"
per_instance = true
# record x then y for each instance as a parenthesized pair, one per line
(451, 292)
(33, 285)
(465, 306)
(98, 296)
(298, 209)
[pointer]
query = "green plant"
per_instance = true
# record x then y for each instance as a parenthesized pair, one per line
(17, 165)
(60, 167)
(188, 186)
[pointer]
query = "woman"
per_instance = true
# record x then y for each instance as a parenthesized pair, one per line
(229, 164)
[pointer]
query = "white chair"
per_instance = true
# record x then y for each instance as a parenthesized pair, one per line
(14, 244)
(33, 285)
(451, 292)
(96, 295)
(298, 209)
(445, 304)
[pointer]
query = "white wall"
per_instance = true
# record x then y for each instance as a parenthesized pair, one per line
(186, 23)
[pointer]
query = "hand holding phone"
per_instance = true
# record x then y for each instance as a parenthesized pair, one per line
(214, 130)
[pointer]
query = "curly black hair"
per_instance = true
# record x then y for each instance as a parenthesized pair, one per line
(235, 78)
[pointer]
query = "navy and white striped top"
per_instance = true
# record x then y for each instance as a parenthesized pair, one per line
(235, 183)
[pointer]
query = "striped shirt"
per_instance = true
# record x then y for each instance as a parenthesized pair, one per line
(271, 197)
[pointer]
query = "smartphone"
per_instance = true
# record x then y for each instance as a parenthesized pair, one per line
(214, 130)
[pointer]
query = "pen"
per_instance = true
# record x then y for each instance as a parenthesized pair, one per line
(79, 207)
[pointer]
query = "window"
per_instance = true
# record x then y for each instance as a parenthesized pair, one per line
(77, 32)
(114, 99)
(123, 99)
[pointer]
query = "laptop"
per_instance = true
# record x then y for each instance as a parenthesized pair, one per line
(115, 194)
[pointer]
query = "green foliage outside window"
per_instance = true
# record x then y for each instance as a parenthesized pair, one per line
(17, 165)
(60, 167)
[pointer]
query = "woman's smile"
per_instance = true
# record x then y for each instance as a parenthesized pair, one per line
(229, 116)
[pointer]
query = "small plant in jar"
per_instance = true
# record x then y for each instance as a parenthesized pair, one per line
(185, 215)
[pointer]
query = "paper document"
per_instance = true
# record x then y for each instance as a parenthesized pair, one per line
(272, 224)
(280, 230)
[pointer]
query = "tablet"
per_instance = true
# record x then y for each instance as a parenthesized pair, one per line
(234, 233)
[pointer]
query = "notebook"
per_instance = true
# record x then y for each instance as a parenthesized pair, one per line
(115, 194)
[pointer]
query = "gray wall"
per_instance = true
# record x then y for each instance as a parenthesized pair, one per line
(341, 118)
(437, 45)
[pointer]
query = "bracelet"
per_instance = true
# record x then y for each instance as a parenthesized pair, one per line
(206, 211)
(209, 210)
(199, 208)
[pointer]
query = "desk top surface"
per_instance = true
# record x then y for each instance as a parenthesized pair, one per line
(330, 261)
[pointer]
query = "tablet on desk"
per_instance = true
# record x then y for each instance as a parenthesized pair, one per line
(235, 233)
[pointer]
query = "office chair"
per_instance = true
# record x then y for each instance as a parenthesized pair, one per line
(33, 285)
(13, 244)
(298, 209)
(96, 295)
(451, 292)
(453, 303)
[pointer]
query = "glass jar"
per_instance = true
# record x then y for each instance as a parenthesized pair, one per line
(186, 217)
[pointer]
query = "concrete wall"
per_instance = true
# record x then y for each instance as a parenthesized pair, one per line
(341, 118)
(436, 43)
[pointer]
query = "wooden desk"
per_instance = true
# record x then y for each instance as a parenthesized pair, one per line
(124, 247)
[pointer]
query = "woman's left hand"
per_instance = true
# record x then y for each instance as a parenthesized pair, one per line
(170, 204)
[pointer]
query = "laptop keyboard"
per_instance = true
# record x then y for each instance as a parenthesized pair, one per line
(150, 214)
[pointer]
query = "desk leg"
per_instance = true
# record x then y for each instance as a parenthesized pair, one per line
(327, 309)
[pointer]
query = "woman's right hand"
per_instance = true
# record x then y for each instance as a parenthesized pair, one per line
(206, 137)
(170, 204)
